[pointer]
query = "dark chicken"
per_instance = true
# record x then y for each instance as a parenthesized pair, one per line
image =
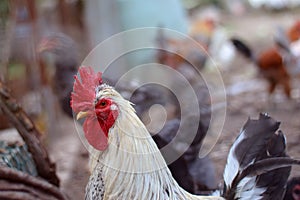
(179, 167)
(194, 174)
(66, 65)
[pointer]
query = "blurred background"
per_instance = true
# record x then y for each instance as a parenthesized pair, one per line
(43, 42)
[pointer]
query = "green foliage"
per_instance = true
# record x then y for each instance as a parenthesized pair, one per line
(16, 71)
(4, 11)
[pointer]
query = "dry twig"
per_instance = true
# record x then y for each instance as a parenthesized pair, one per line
(13, 111)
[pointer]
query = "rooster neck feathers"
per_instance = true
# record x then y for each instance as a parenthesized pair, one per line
(132, 166)
(132, 161)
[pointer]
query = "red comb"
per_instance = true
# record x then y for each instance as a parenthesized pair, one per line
(83, 95)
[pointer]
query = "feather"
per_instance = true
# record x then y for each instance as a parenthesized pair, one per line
(257, 165)
(248, 181)
(263, 166)
(243, 48)
(251, 141)
(274, 180)
(182, 176)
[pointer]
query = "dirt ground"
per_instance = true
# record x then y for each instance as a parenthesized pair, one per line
(71, 157)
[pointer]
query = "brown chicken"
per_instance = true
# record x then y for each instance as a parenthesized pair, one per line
(271, 65)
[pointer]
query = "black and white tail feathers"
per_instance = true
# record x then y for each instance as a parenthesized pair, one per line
(243, 48)
(257, 165)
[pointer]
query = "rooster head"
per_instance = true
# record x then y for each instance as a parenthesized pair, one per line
(91, 100)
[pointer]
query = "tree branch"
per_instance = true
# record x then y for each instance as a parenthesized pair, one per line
(18, 185)
(15, 114)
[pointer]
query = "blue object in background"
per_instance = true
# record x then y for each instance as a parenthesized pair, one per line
(154, 13)
(138, 13)
(106, 18)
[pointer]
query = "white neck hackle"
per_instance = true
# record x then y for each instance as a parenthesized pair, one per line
(133, 167)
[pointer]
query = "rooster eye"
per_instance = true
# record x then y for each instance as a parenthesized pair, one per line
(102, 103)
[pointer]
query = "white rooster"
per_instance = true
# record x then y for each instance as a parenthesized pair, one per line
(130, 166)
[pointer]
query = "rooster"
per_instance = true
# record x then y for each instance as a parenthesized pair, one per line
(270, 64)
(131, 165)
(128, 165)
(143, 98)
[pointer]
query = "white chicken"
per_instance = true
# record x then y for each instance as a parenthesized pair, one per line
(128, 165)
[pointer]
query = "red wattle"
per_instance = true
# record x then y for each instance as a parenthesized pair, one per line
(95, 135)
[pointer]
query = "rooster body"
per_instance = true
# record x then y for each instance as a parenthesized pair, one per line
(127, 163)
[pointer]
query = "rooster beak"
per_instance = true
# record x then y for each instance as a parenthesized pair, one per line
(81, 115)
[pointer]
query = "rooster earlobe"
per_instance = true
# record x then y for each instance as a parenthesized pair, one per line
(95, 134)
